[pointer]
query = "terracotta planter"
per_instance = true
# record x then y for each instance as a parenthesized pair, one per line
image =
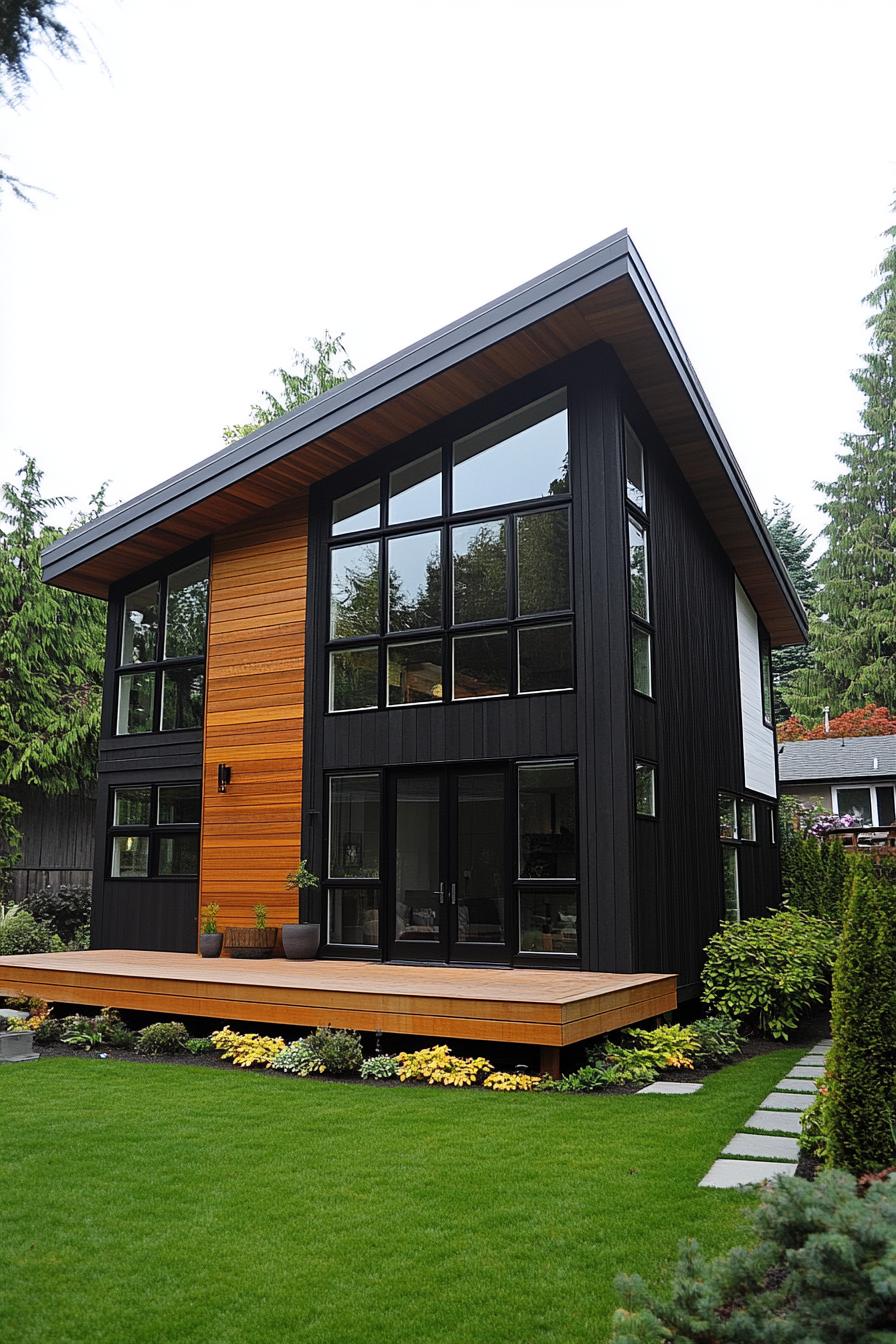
(16, 1046)
(300, 941)
(210, 944)
(250, 942)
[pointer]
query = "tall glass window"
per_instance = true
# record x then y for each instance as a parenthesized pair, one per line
(161, 673)
(639, 586)
(352, 886)
(460, 608)
(547, 858)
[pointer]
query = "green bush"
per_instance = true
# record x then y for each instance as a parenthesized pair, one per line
(299, 1058)
(819, 1271)
(861, 1067)
(380, 1066)
(813, 1136)
(65, 909)
(338, 1051)
(199, 1045)
(718, 1039)
(816, 875)
(162, 1038)
(771, 970)
(670, 1046)
(617, 1066)
(49, 1032)
(20, 933)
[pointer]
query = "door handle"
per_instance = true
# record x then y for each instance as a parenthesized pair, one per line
(454, 893)
(440, 893)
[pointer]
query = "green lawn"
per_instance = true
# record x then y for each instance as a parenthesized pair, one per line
(160, 1203)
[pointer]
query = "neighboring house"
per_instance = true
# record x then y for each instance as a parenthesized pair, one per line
(843, 774)
(488, 632)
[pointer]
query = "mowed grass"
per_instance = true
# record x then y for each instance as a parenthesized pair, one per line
(174, 1203)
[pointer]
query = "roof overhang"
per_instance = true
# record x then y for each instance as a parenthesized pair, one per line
(604, 294)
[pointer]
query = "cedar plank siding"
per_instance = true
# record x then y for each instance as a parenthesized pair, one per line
(255, 688)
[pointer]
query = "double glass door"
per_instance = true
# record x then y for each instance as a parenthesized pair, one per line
(448, 887)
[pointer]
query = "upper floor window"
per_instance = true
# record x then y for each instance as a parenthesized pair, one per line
(428, 603)
(639, 588)
(765, 674)
(161, 671)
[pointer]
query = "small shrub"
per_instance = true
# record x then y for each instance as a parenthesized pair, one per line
(246, 1049)
(623, 1065)
(198, 1045)
(162, 1038)
(299, 1058)
(64, 909)
(718, 1039)
(820, 1267)
(669, 1046)
(20, 933)
(511, 1082)
(261, 916)
(861, 1067)
(82, 1032)
(589, 1078)
(49, 1031)
(813, 1138)
(380, 1066)
(338, 1051)
(771, 969)
(437, 1065)
(79, 941)
(210, 914)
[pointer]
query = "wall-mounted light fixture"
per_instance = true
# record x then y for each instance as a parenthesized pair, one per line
(223, 777)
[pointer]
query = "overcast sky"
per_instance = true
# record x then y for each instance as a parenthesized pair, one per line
(230, 179)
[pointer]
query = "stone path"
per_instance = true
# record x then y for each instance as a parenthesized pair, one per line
(772, 1149)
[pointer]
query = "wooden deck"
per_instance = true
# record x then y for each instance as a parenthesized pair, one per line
(546, 1008)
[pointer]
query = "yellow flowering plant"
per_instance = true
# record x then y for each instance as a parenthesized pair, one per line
(437, 1065)
(247, 1048)
(511, 1082)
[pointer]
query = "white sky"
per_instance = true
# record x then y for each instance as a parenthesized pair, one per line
(232, 178)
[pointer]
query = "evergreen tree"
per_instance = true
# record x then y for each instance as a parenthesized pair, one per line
(51, 659)
(794, 545)
(853, 628)
(311, 375)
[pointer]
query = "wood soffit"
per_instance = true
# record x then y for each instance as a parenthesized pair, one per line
(603, 295)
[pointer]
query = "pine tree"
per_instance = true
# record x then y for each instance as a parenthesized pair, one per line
(794, 545)
(312, 375)
(853, 628)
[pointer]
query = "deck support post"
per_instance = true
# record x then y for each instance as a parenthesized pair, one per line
(549, 1060)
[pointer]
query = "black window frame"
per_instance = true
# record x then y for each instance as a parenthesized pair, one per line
(645, 625)
(531, 956)
(443, 523)
(154, 830)
(766, 679)
(158, 666)
(641, 763)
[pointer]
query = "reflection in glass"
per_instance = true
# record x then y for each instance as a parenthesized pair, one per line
(136, 699)
(746, 820)
(542, 542)
(354, 826)
(637, 558)
(481, 665)
(353, 678)
(642, 674)
(131, 807)
(856, 802)
(886, 805)
(545, 658)
(355, 590)
(130, 856)
(178, 805)
(727, 817)
(182, 694)
(186, 611)
(415, 581)
(479, 553)
(353, 916)
(522, 456)
(548, 921)
(547, 798)
(358, 511)
(645, 790)
(414, 672)
(415, 491)
(178, 855)
(634, 469)
(480, 858)
(140, 625)
(418, 904)
(730, 883)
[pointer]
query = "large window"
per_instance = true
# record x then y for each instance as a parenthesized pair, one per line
(639, 585)
(154, 831)
(873, 803)
(547, 872)
(161, 672)
(428, 603)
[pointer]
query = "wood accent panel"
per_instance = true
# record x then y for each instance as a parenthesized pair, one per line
(550, 1008)
(255, 688)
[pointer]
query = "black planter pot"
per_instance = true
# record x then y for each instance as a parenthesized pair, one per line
(210, 944)
(300, 941)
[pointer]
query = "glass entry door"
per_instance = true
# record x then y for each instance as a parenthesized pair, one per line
(449, 879)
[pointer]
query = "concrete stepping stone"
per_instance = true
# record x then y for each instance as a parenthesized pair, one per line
(763, 1145)
(806, 1071)
(797, 1085)
(826, 1043)
(783, 1122)
(787, 1101)
(726, 1173)
(669, 1089)
(814, 1061)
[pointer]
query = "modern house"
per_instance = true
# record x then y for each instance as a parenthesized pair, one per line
(483, 633)
(855, 775)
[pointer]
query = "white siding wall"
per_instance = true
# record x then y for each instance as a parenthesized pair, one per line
(759, 741)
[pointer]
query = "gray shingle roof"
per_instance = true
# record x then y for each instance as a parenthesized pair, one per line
(837, 758)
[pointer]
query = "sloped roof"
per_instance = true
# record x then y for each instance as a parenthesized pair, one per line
(603, 294)
(836, 758)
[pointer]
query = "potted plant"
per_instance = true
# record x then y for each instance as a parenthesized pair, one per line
(210, 940)
(258, 941)
(301, 940)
